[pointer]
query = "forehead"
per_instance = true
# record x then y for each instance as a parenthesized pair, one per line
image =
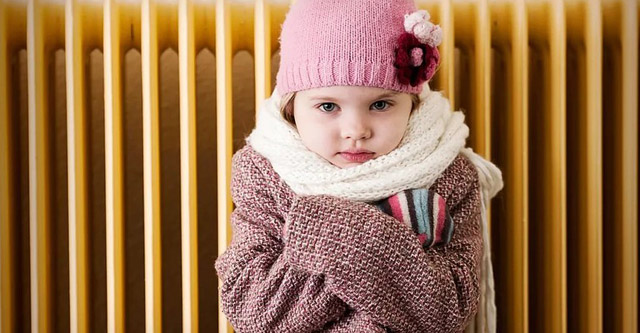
(351, 93)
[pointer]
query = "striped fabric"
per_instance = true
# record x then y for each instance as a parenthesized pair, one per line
(424, 211)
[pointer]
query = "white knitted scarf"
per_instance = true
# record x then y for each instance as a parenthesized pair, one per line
(434, 137)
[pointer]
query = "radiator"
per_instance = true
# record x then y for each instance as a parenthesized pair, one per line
(118, 121)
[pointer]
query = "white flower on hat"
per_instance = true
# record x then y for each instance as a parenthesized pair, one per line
(418, 24)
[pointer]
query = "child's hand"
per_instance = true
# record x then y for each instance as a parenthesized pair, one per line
(424, 211)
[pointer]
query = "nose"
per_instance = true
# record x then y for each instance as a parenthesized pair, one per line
(355, 126)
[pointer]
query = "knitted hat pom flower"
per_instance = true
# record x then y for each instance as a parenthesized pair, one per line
(417, 54)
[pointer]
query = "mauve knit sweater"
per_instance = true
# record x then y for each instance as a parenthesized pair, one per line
(323, 264)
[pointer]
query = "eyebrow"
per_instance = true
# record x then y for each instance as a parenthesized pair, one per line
(333, 99)
(388, 94)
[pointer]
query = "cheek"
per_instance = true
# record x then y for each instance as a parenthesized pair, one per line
(314, 133)
(399, 126)
(304, 124)
(309, 134)
(396, 136)
(395, 130)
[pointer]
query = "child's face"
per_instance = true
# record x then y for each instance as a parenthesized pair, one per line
(349, 125)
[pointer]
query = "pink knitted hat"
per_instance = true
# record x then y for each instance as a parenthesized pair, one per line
(375, 43)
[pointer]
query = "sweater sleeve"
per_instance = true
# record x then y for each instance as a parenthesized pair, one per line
(260, 291)
(377, 266)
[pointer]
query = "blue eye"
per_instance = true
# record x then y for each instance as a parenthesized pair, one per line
(380, 105)
(327, 107)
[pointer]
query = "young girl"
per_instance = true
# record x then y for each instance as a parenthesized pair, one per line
(357, 206)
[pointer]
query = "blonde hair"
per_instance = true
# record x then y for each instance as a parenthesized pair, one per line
(286, 106)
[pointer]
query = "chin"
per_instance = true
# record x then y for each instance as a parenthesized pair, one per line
(347, 165)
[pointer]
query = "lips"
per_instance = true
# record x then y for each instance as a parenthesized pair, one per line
(357, 156)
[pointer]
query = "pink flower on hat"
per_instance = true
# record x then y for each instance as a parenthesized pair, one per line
(417, 54)
(415, 62)
(417, 23)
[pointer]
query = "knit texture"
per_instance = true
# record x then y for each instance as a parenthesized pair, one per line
(324, 264)
(351, 43)
(423, 211)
